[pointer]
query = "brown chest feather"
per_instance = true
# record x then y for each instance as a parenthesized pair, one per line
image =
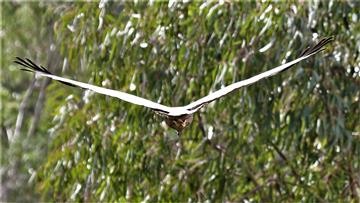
(179, 122)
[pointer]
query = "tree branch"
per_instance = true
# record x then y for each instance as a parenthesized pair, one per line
(38, 107)
(22, 108)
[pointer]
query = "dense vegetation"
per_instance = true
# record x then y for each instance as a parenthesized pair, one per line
(294, 137)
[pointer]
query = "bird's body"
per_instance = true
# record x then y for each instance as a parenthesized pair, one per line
(177, 118)
(179, 123)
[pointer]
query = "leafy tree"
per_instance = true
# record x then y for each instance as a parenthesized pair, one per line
(294, 137)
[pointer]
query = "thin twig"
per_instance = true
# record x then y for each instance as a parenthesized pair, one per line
(257, 188)
(212, 144)
(4, 138)
(352, 181)
(296, 174)
(282, 155)
(201, 125)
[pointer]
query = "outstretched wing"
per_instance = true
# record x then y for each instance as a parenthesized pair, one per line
(196, 105)
(172, 111)
(28, 65)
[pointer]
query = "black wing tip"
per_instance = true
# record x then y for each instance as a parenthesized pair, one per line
(317, 47)
(29, 65)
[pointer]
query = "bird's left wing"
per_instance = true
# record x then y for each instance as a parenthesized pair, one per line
(196, 105)
(30, 66)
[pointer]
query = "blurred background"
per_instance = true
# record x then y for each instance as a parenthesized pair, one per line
(293, 137)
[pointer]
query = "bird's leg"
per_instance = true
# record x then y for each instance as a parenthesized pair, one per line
(178, 145)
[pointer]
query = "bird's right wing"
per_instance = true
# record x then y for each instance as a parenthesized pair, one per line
(30, 66)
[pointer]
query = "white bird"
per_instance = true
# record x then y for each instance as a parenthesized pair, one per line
(176, 117)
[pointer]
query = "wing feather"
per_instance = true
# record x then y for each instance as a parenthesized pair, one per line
(32, 67)
(196, 105)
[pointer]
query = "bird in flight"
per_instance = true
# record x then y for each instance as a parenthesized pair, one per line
(180, 117)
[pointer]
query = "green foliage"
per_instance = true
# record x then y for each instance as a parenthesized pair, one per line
(294, 137)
